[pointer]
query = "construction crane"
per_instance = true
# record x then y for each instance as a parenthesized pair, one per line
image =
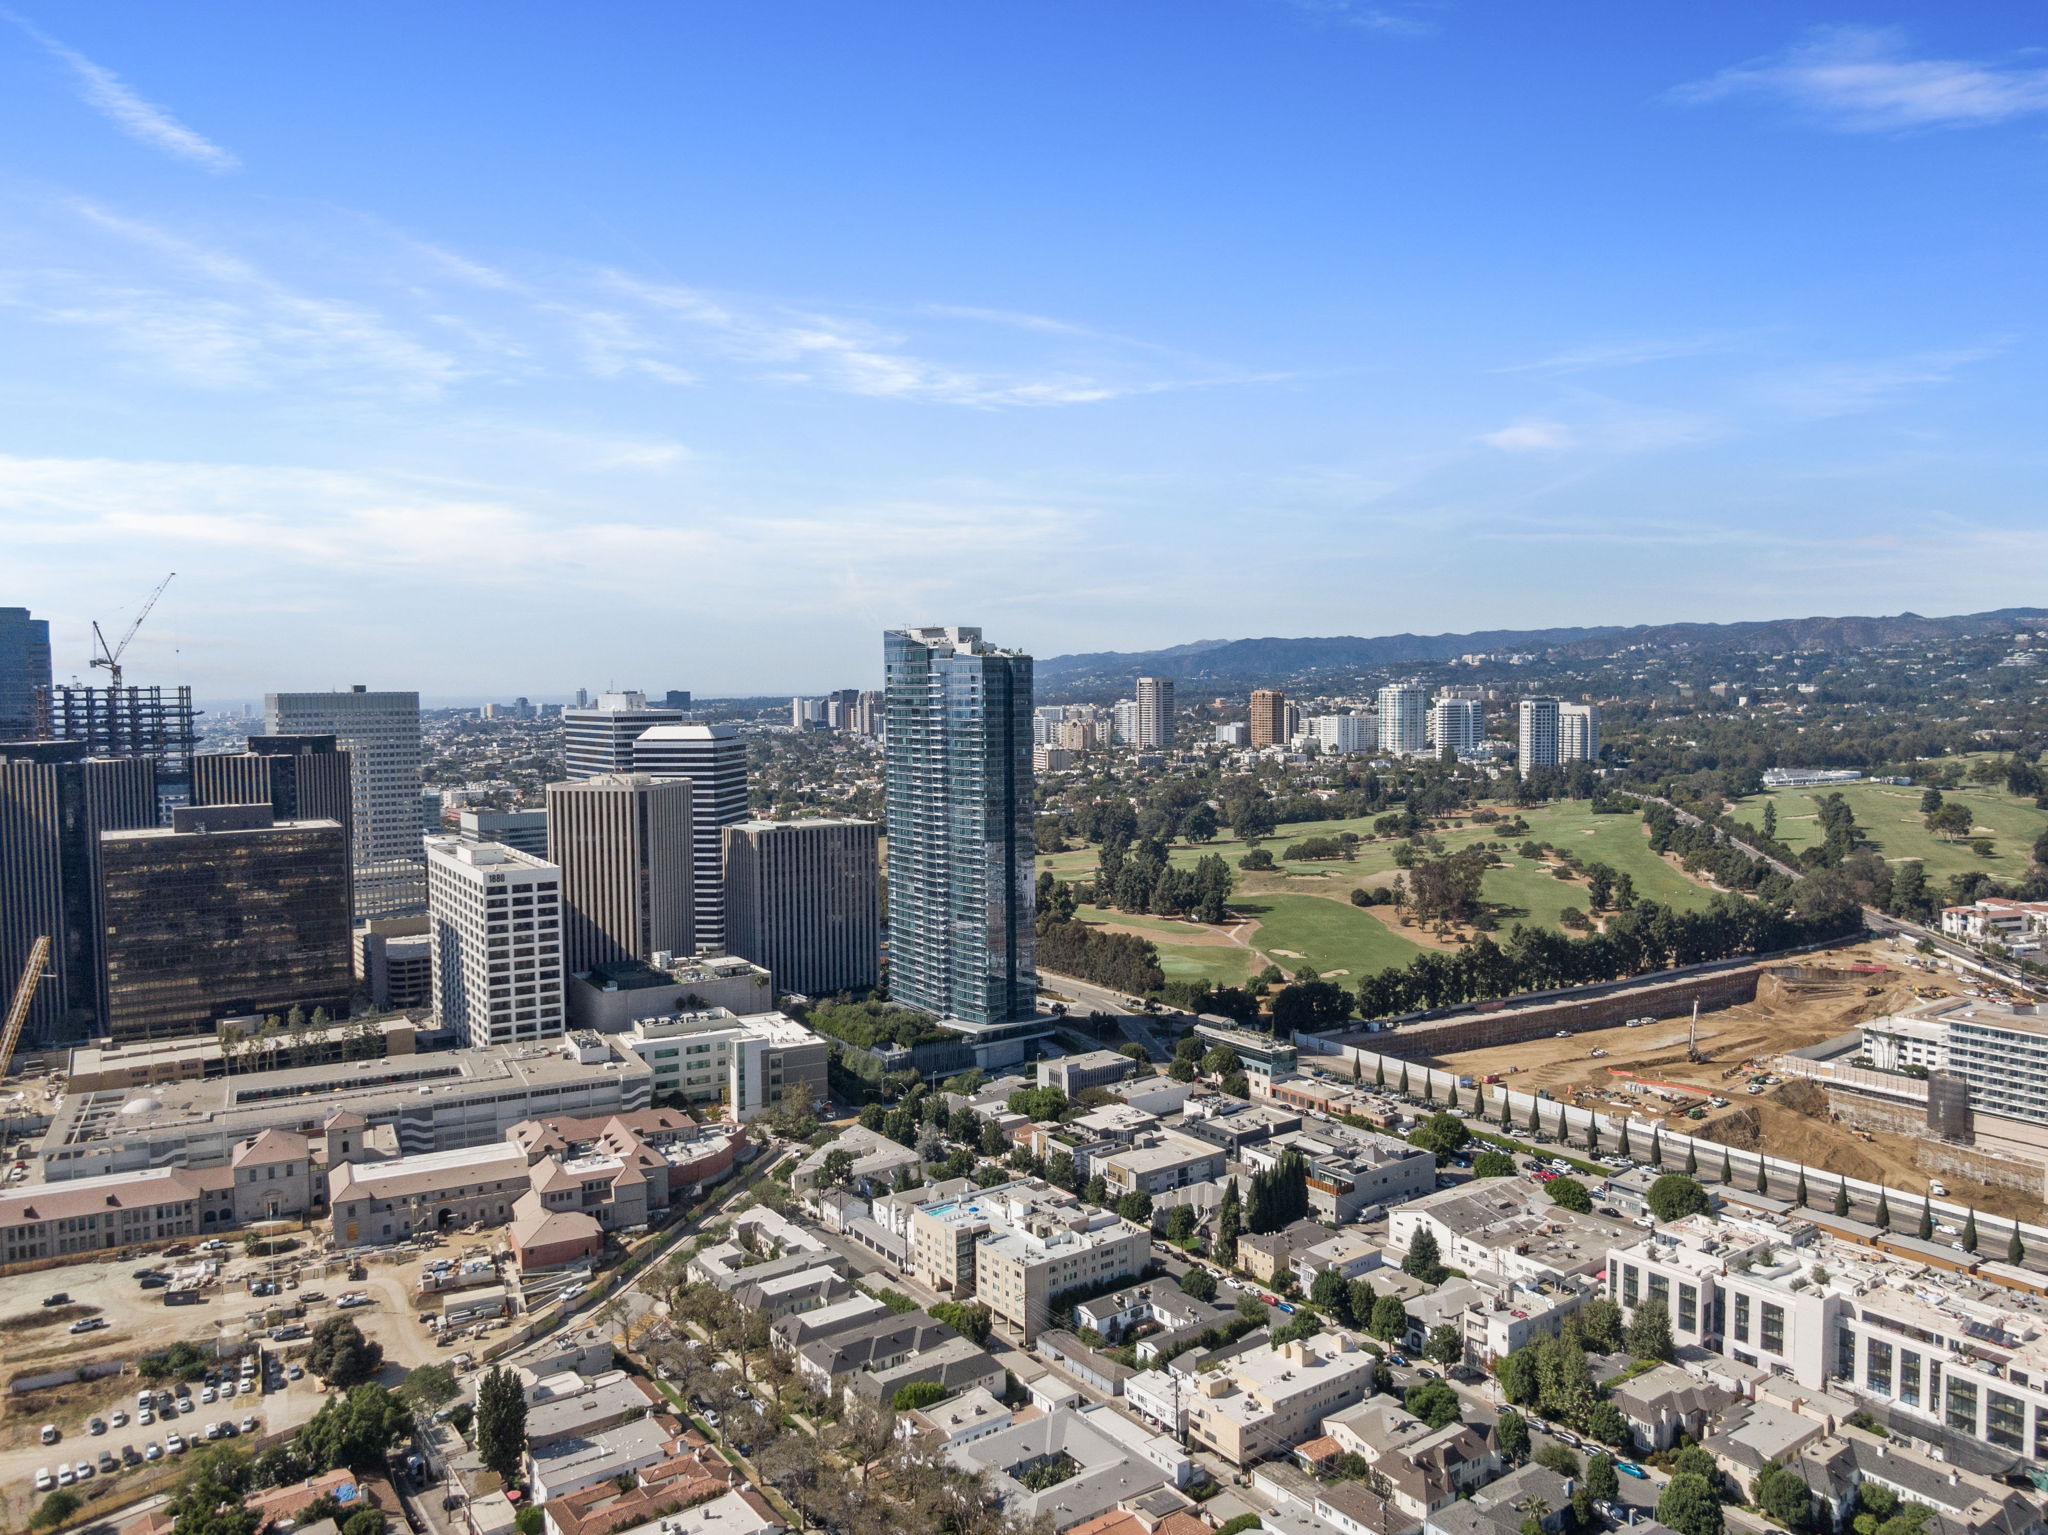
(111, 658)
(24, 994)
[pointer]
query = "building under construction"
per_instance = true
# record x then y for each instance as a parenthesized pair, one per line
(124, 721)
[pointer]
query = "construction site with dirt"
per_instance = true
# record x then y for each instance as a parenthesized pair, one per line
(1711, 1068)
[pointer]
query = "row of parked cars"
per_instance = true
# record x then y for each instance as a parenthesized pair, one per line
(168, 1403)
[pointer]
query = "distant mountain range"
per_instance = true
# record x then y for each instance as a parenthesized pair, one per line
(1242, 662)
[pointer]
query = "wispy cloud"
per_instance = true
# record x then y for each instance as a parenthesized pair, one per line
(1859, 79)
(1821, 390)
(1363, 16)
(215, 319)
(145, 122)
(1531, 435)
(1623, 354)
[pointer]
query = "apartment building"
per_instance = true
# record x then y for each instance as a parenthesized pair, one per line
(1537, 735)
(1268, 717)
(1578, 733)
(1351, 1171)
(1160, 1160)
(1015, 1246)
(1947, 1354)
(1457, 723)
(1268, 1400)
(2000, 1052)
(1404, 719)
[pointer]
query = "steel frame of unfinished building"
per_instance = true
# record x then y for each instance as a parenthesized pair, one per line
(128, 721)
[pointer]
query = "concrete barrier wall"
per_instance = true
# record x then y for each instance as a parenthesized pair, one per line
(1513, 1026)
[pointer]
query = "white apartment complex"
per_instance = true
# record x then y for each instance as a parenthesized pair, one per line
(1578, 733)
(1344, 735)
(2000, 1052)
(495, 917)
(1268, 1400)
(1954, 1352)
(1404, 719)
(381, 732)
(1015, 1246)
(1457, 723)
(1538, 734)
(1155, 712)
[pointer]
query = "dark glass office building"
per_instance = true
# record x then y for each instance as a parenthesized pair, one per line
(24, 668)
(961, 879)
(225, 912)
(54, 803)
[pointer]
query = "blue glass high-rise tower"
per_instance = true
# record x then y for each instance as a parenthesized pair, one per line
(24, 667)
(961, 875)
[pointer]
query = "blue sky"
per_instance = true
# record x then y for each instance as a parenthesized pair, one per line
(510, 348)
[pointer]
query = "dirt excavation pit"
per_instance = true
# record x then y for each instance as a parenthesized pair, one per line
(1791, 1011)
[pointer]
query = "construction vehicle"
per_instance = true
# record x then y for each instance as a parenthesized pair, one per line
(110, 657)
(24, 996)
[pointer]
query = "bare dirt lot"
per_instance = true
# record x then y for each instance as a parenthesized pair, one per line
(1790, 1119)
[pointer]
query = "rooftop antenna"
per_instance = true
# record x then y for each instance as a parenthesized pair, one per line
(110, 658)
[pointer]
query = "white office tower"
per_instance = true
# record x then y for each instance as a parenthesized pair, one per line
(1404, 719)
(714, 759)
(1154, 713)
(807, 712)
(1235, 733)
(381, 733)
(622, 842)
(1539, 741)
(1045, 724)
(1457, 723)
(1344, 735)
(1578, 733)
(494, 920)
(600, 739)
(864, 715)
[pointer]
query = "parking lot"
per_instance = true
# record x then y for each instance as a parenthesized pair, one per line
(35, 1339)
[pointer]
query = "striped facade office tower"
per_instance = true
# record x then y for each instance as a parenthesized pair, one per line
(803, 900)
(623, 844)
(301, 778)
(54, 803)
(381, 734)
(714, 759)
(600, 739)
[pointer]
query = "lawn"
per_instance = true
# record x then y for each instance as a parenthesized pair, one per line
(1331, 935)
(1892, 822)
(1305, 906)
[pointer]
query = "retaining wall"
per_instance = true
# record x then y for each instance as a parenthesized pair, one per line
(1513, 1026)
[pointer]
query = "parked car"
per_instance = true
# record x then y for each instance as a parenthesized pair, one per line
(61, 1298)
(251, 1426)
(119, 1418)
(45, 1480)
(89, 1324)
(1630, 1468)
(175, 1444)
(66, 1476)
(108, 1463)
(152, 1451)
(83, 1471)
(96, 1425)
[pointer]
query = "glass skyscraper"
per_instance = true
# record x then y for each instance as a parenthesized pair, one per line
(961, 874)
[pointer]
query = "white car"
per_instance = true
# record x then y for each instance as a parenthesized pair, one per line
(118, 1418)
(66, 1476)
(571, 1293)
(175, 1444)
(144, 1418)
(44, 1480)
(83, 1470)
